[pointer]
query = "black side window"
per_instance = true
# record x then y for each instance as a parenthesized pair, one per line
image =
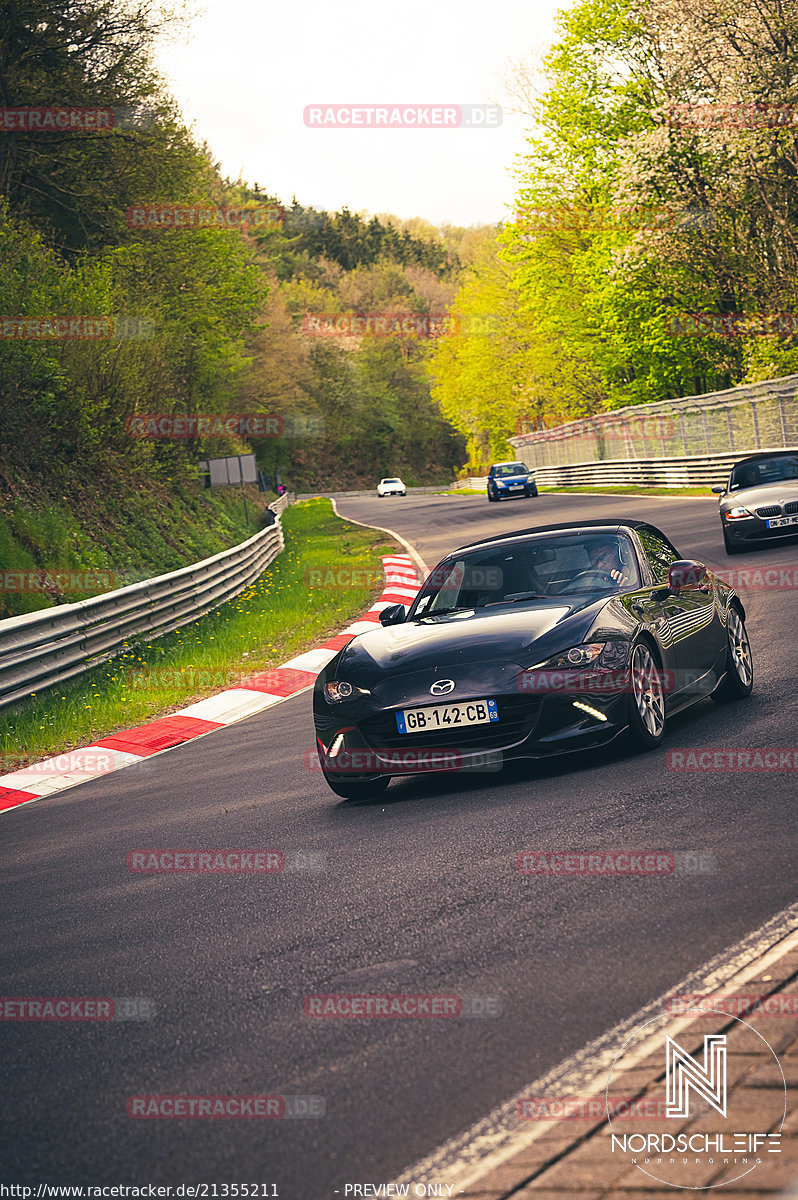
(658, 552)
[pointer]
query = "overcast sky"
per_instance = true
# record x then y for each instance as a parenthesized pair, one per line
(247, 69)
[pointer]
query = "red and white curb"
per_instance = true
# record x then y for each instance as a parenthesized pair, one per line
(259, 692)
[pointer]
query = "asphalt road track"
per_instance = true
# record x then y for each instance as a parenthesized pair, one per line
(419, 894)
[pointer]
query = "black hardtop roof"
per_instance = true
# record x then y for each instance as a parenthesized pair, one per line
(611, 526)
(763, 454)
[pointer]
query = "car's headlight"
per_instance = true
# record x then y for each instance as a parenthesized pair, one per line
(589, 654)
(340, 690)
(735, 514)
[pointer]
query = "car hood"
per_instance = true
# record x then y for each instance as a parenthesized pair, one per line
(510, 634)
(766, 493)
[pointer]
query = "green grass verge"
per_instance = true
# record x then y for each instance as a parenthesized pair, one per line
(328, 574)
(125, 527)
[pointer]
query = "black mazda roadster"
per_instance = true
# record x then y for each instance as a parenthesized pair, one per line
(542, 642)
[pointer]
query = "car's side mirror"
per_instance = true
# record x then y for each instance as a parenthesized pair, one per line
(686, 573)
(719, 488)
(393, 615)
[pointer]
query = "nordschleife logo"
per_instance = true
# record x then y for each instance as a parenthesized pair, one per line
(714, 1105)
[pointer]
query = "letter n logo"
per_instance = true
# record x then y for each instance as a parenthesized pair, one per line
(683, 1073)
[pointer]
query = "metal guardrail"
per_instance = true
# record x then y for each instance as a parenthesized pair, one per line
(38, 650)
(686, 471)
(736, 421)
(675, 472)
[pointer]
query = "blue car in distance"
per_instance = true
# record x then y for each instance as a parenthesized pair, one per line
(508, 479)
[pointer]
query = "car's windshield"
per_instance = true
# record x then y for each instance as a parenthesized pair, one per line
(391, 481)
(764, 470)
(505, 469)
(531, 570)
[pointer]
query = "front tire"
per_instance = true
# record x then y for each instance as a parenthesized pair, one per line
(646, 699)
(739, 679)
(731, 547)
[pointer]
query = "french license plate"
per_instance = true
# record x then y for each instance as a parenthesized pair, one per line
(447, 716)
(777, 522)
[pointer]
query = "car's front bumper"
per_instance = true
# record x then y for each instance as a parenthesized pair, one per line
(519, 488)
(529, 727)
(750, 530)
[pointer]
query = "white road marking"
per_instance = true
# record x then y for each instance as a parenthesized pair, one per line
(468, 1157)
(230, 706)
(411, 550)
(362, 627)
(75, 766)
(311, 660)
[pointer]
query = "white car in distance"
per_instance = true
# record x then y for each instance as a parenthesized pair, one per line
(391, 487)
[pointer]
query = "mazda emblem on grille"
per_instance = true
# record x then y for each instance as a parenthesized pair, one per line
(442, 687)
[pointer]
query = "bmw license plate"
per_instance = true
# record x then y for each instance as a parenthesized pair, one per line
(777, 522)
(446, 716)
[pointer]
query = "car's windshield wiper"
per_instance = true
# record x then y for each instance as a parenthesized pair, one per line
(444, 612)
(516, 597)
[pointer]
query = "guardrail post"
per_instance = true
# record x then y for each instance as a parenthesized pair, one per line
(730, 427)
(755, 418)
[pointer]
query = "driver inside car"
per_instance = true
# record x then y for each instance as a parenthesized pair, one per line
(605, 558)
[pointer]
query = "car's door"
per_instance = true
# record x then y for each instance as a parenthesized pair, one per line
(691, 621)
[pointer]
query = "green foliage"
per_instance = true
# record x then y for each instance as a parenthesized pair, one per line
(202, 320)
(625, 219)
(349, 240)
